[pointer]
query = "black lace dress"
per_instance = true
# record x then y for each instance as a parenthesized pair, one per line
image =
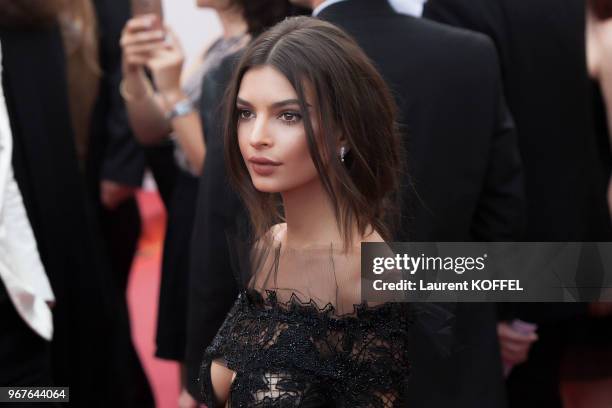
(295, 354)
(300, 335)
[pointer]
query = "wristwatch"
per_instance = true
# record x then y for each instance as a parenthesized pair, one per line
(181, 108)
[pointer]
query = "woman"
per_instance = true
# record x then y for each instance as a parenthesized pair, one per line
(310, 140)
(145, 45)
(110, 159)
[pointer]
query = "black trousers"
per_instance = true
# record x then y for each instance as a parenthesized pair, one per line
(24, 355)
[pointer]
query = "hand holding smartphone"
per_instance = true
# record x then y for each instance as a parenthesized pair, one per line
(150, 46)
(143, 34)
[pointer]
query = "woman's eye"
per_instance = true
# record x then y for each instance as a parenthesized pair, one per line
(245, 114)
(290, 117)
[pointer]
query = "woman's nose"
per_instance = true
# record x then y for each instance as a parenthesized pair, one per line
(259, 137)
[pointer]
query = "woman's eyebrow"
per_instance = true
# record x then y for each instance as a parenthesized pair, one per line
(240, 101)
(275, 105)
(286, 102)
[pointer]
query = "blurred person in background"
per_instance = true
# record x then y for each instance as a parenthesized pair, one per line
(110, 157)
(26, 297)
(148, 45)
(587, 364)
(90, 351)
(111, 160)
(551, 92)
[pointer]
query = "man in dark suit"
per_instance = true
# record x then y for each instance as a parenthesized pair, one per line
(464, 167)
(91, 350)
(547, 87)
(541, 46)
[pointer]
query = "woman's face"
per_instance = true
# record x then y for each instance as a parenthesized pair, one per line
(271, 132)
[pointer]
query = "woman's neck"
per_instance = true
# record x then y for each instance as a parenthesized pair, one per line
(310, 216)
(232, 22)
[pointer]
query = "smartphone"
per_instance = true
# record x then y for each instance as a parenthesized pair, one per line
(140, 7)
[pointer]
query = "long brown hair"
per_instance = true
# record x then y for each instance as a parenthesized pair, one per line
(29, 13)
(352, 100)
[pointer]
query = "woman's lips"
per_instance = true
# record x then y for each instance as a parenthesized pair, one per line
(263, 166)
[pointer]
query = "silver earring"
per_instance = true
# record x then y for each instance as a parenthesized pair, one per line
(342, 153)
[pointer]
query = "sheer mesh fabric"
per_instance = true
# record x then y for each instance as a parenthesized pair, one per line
(298, 335)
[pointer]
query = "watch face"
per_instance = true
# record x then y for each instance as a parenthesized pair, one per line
(182, 108)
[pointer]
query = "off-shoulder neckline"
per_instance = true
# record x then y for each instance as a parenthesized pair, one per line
(328, 310)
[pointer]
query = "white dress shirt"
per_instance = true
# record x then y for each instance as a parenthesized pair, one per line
(21, 269)
(324, 5)
(410, 7)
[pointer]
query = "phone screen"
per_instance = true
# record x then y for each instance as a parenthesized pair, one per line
(147, 7)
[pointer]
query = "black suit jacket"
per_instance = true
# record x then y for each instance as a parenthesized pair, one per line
(542, 51)
(462, 153)
(541, 45)
(550, 96)
(464, 163)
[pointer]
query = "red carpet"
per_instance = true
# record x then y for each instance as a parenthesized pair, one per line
(143, 292)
